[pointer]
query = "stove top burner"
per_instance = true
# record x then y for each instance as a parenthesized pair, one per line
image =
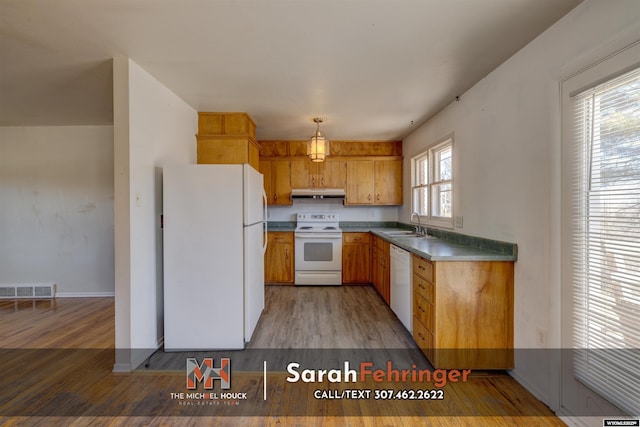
(318, 223)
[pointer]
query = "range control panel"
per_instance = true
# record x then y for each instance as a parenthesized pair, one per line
(317, 217)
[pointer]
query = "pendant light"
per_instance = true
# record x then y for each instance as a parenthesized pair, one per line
(317, 146)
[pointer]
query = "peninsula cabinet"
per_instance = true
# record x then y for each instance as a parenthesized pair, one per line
(374, 182)
(277, 181)
(463, 313)
(356, 258)
(278, 260)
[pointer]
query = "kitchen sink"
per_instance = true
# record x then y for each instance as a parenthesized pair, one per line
(407, 233)
(401, 233)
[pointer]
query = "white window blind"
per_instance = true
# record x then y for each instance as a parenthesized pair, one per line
(606, 240)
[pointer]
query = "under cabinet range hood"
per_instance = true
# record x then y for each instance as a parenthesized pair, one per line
(318, 193)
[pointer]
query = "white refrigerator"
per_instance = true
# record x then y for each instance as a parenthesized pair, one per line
(214, 243)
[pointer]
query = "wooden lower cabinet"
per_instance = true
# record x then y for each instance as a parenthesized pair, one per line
(463, 313)
(356, 258)
(380, 271)
(278, 260)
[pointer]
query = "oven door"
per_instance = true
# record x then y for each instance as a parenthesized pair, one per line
(318, 258)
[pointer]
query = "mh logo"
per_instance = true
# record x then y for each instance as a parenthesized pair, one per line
(206, 372)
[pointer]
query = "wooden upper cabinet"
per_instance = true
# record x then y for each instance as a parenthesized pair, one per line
(388, 182)
(281, 182)
(265, 170)
(226, 124)
(374, 182)
(227, 138)
(301, 172)
(369, 171)
(332, 173)
(277, 181)
(360, 184)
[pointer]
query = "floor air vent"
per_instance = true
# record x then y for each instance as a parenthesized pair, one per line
(26, 290)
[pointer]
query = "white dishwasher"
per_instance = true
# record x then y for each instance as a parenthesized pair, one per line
(401, 295)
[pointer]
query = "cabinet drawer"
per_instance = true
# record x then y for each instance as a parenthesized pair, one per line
(423, 338)
(422, 288)
(355, 238)
(423, 268)
(280, 237)
(423, 311)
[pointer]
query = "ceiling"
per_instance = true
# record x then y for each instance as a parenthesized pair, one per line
(373, 69)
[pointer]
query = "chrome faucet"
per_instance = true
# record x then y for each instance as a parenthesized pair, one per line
(419, 228)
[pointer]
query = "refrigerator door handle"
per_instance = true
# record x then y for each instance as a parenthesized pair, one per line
(264, 206)
(264, 219)
(264, 238)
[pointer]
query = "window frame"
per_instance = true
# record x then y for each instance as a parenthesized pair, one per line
(572, 168)
(430, 156)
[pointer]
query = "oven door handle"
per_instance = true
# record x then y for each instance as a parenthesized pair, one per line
(318, 236)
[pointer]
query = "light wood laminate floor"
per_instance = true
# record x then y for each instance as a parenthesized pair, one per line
(69, 372)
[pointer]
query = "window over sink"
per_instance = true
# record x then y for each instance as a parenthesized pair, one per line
(432, 184)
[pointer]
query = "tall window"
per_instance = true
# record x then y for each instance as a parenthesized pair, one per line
(432, 187)
(606, 239)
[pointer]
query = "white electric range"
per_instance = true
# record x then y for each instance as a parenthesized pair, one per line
(318, 249)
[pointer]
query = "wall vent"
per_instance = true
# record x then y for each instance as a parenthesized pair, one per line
(27, 290)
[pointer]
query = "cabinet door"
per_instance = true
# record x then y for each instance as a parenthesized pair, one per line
(356, 263)
(388, 182)
(281, 182)
(374, 261)
(360, 182)
(279, 258)
(265, 169)
(385, 279)
(332, 174)
(301, 175)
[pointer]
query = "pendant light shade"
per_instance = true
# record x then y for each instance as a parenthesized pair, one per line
(317, 146)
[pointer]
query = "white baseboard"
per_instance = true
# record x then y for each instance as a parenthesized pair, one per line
(122, 368)
(532, 389)
(573, 421)
(85, 294)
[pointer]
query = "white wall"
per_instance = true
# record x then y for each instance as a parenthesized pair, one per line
(152, 126)
(56, 207)
(507, 165)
